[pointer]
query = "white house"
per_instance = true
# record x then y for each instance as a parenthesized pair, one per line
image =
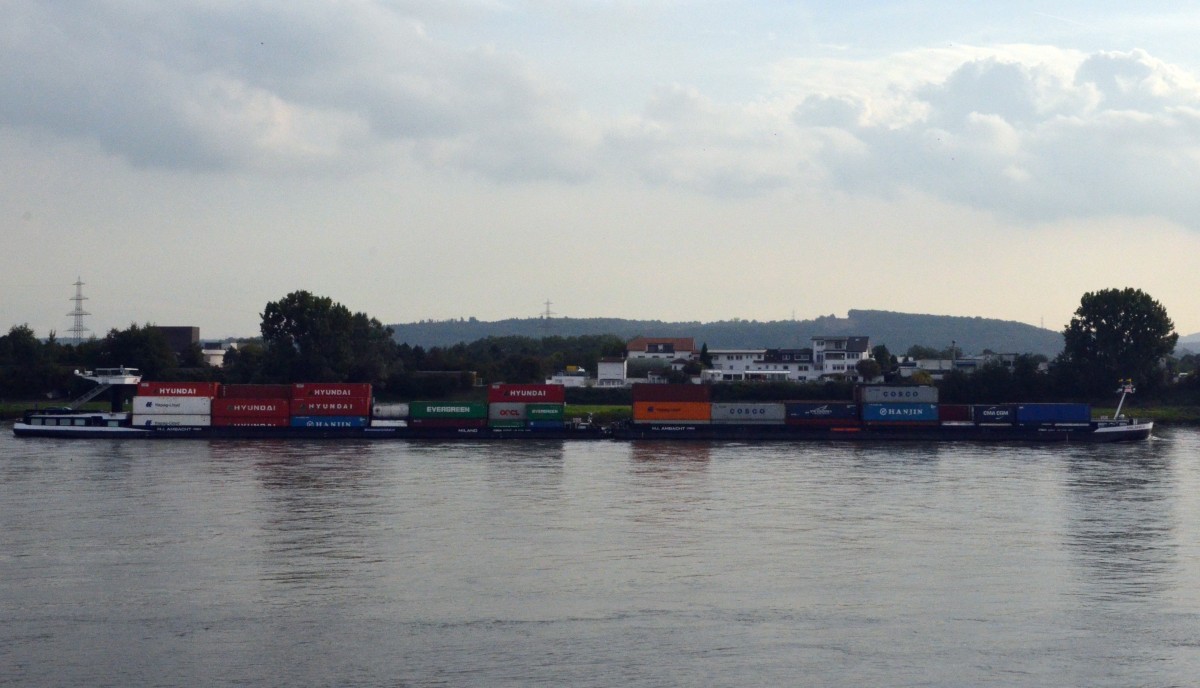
(611, 372)
(663, 348)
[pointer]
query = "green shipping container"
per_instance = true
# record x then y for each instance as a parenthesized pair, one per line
(448, 409)
(506, 424)
(544, 411)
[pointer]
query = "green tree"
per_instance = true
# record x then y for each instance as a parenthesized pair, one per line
(312, 338)
(1116, 334)
(868, 369)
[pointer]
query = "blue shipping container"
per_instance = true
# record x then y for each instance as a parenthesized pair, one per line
(1054, 413)
(1000, 414)
(329, 422)
(899, 413)
(545, 425)
(821, 410)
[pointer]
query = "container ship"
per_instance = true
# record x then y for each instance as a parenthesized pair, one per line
(175, 410)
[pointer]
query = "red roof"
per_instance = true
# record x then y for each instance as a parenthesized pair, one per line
(677, 343)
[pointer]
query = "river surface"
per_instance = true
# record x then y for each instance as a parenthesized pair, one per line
(226, 563)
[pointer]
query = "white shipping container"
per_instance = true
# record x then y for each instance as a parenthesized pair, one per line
(142, 420)
(390, 411)
(908, 394)
(748, 413)
(388, 423)
(191, 406)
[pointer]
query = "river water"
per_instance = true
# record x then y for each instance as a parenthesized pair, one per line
(218, 563)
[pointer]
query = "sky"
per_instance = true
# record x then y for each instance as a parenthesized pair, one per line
(192, 161)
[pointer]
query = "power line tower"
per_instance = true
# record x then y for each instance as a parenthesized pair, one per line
(546, 315)
(78, 329)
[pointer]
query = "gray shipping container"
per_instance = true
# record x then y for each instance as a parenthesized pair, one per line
(390, 411)
(506, 410)
(749, 413)
(908, 394)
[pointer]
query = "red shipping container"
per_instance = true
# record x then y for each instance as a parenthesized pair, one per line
(257, 391)
(251, 408)
(250, 421)
(354, 406)
(178, 389)
(527, 394)
(331, 390)
(954, 412)
(447, 423)
(648, 392)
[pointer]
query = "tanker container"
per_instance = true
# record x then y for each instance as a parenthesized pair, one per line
(390, 411)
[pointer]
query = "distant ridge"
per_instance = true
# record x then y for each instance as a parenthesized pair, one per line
(898, 331)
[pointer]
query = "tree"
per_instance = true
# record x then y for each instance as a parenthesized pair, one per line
(1116, 334)
(312, 338)
(868, 369)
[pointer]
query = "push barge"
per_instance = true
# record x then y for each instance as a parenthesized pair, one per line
(206, 410)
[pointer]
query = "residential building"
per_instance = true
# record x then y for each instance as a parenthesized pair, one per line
(662, 348)
(611, 372)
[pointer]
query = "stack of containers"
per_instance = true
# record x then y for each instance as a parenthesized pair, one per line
(263, 406)
(821, 413)
(173, 404)
(891, 405)
(455, 415)
(526, 407)
(672, 404)
(330, 404)
(748, 413)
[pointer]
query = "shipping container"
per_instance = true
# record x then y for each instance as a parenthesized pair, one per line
(900, 413)
(316, 406)
(649, 392)
(178, 389)
(172, 405)
(501, 424)
(251, 421)
(954, 413)
(820, 411)
(171, 421)
(505, 393)
(542, 425)
(911, 394)
(448, 409)
(506, 411)
(440, 423)
(994, 414)
(390, 411)
(331, 390)
(748, 413)
(329, 421)
(545, 412)
(1054, 413)
(249, 407)
(256, 391)
(388, 423)
(659, 411)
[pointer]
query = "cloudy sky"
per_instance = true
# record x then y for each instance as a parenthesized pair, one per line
(665, 159)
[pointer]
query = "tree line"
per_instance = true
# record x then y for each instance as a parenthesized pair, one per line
(1115, 334)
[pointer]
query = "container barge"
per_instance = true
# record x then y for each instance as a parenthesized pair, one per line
(179, 410)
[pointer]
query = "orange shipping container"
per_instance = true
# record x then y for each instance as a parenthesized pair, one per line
(658, 411)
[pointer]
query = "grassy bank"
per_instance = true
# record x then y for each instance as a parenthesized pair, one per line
(600, 413)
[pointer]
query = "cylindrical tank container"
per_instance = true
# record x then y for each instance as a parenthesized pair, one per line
(649, 392)
(329, 421)
(909, 394)
(251, 421)
(331, 390)
(748, 413)
(172, 405)
(526, 394)
(170, 420)
(178, 389)
(256, 391)
(333, 406)
(1070, 414)
(900, 413)
(954, 413)
(660, 411)
(995, 414)
(460, 410)
(820, 412)
(390, 411)
(255, 408)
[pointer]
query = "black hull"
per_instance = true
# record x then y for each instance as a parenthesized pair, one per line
(1093, 433)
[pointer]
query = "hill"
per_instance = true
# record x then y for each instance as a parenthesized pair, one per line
(898, 331)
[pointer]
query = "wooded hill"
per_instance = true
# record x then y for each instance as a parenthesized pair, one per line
(898, 331)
